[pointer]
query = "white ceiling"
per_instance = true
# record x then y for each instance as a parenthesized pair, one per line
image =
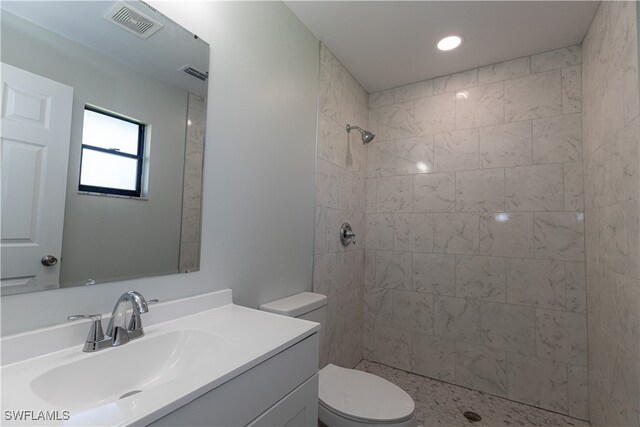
(386, 44)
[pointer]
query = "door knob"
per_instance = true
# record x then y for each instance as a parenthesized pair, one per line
(49, 260)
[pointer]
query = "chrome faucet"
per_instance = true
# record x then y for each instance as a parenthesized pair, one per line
(117, 332)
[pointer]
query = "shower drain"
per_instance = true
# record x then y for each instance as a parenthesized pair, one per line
(132, 392)
(472, 416)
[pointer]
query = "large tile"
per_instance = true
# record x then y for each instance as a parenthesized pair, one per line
(456, 233)
(506, 145)
(392, 347)
(557, 139)
(346, 189)
(536, 283)
(578, 385)
(379, 232)
(435, 114)
(620, 238)
(556, 59)
(623, 165)
(480, 190)
(559, 235)
(507, 234)
(433, 356)
(381, 99)
(573, 187)
(457, 318)
(434, 192)
(561, 336)
(480, 106)
(381, 159)
(367, 336)
(456, 150)
(434, 273)
(395, 194)
(325, 274)
(334, 219)
(327, 184)
(371, 195)
(481, 368)
(538, 382)
(414, 91)
(631, 102)
(346, 267)
(329, 139)
(329, 99)
(576, 287)
(457, 81)
(413, 232)
(395, 121)
(369, 267)
(504, 70)
(413, 311)
(572, 89)
(481, 277)
(378, 306)
(414, 155)
(394, 270)
(508, 327)
(627, 317)
(535, 188)
(624, 395)
(532, 97)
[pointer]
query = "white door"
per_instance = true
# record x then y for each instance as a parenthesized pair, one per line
(35, 131)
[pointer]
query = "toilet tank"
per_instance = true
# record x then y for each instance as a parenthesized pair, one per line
(305, 305)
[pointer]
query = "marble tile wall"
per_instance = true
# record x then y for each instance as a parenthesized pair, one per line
(340, 197)
(192, 186)
(474, 254)
(611, 130)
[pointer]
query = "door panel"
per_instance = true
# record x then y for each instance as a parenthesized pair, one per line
(36, 127)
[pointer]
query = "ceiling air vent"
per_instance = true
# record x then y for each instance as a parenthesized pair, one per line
(195, 72)
(132, 20)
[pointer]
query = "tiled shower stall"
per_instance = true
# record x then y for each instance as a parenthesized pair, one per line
(472, 270)
(475, 231)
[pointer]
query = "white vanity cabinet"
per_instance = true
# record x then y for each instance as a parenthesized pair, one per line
(281, 391)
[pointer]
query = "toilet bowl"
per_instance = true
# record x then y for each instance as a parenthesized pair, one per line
(347, 397)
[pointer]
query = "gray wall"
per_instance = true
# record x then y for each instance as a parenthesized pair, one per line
(106, 237)
(611, 128)
(258, 201)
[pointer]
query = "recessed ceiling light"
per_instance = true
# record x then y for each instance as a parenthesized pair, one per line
(450, 42)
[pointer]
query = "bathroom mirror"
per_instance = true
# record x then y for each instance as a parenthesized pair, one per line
(103, 115)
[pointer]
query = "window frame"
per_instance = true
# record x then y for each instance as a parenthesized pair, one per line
(139, 157)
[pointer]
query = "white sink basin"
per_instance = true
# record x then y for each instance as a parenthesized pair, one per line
(117, 373)
(191, 346)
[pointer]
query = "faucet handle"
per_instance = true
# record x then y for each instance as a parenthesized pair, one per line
(95, 333)
(85, 316)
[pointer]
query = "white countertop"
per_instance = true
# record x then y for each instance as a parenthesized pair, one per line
(251, 337)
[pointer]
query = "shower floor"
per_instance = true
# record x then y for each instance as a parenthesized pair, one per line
(442, 404)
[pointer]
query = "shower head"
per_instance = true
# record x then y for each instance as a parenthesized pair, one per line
(367, 136)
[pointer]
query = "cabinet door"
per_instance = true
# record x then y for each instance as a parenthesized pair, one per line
(298, 408)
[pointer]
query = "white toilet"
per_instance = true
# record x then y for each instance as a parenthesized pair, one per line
(348, 398)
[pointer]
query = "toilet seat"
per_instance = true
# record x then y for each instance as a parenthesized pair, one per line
(363, 397)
